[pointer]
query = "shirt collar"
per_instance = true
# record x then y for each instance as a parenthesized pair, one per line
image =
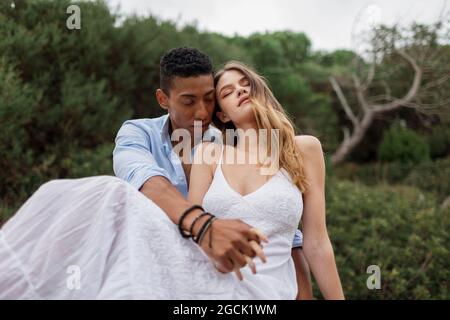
(165, 128)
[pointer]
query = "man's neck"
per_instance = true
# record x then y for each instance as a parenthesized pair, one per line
(193, 141)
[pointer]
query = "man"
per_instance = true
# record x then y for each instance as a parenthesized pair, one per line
(144, 157)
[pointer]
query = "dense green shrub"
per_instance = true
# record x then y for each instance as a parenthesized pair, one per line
(76, 164)
(404, 145)
(432, 177)
(89, 162)
(439, 140)
(58, 94)
(18, 103)
(397, 228)
(429, 176)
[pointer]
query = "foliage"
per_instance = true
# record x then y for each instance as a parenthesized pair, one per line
(397, 228)
(403, 145)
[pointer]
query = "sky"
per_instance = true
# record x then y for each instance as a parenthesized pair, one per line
(330, 24)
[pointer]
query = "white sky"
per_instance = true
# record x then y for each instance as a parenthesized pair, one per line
(328, 23)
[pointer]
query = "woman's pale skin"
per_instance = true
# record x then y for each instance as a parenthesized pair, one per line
(247, 178)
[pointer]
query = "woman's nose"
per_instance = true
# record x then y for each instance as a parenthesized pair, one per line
(241, 91)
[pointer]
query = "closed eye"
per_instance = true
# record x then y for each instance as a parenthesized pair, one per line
(226, 94)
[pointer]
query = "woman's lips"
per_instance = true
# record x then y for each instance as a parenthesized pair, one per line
(244, 101)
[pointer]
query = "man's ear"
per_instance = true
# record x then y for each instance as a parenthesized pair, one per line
(222, 116)
(162, 98)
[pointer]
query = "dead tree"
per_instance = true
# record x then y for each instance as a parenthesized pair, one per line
(417, 52)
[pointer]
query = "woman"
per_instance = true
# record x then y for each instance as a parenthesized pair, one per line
(99, 238)
(272, 203)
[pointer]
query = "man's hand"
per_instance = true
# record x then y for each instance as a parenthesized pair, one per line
(233, 244)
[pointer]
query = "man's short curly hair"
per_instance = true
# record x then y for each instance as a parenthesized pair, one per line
(182, 62)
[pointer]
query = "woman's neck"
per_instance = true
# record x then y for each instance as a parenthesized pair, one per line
(248, 138)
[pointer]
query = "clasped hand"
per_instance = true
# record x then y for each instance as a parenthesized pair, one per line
(231, 244)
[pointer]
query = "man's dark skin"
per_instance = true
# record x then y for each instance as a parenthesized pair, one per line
(192, 99)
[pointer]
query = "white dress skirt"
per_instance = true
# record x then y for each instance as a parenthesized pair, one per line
(100, 238)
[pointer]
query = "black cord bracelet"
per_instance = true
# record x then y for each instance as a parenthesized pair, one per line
(208, 225)
(203, 229)
(191, 229)
(185, 213)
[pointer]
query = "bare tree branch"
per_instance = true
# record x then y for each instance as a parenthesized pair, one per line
(360, 94)
(343, 100)
(412, 92)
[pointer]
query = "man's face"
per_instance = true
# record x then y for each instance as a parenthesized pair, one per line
(190, 99)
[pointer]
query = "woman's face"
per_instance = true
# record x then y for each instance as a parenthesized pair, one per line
(233, 96)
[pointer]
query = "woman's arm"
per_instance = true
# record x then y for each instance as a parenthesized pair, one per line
(201, 174)
(316, 243)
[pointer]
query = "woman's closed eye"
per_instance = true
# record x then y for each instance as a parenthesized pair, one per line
(226, 94)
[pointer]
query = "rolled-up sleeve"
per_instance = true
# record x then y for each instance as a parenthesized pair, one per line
(298, 239)
(132, 157)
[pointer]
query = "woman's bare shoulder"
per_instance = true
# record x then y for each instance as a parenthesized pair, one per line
(309, 145)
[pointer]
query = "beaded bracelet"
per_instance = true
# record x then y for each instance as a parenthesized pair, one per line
(185, 213)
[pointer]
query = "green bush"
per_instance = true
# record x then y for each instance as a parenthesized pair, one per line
(58, 95)
(76, 164)
(429, 176)
(397, 228)
(432, 177)
(18, 103)
(89, 162)
(6, 212)
(404, 145)
(439, 141)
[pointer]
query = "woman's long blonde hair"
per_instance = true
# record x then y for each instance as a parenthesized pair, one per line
(269, 115)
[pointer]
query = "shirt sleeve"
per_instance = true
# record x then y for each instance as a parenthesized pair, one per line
(298, 239)
(132, 157)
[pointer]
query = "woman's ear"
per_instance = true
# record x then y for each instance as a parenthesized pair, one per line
(162, 99)
(222, 116)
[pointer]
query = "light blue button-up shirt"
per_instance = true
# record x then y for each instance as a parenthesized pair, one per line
(144, 150)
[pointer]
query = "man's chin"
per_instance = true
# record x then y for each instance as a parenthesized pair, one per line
(195, 130)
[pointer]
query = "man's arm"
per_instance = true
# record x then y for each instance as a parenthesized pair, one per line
(134, 162)
(303, 274)
(301, 268)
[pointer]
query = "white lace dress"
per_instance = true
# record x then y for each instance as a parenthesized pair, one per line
(99, 238)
